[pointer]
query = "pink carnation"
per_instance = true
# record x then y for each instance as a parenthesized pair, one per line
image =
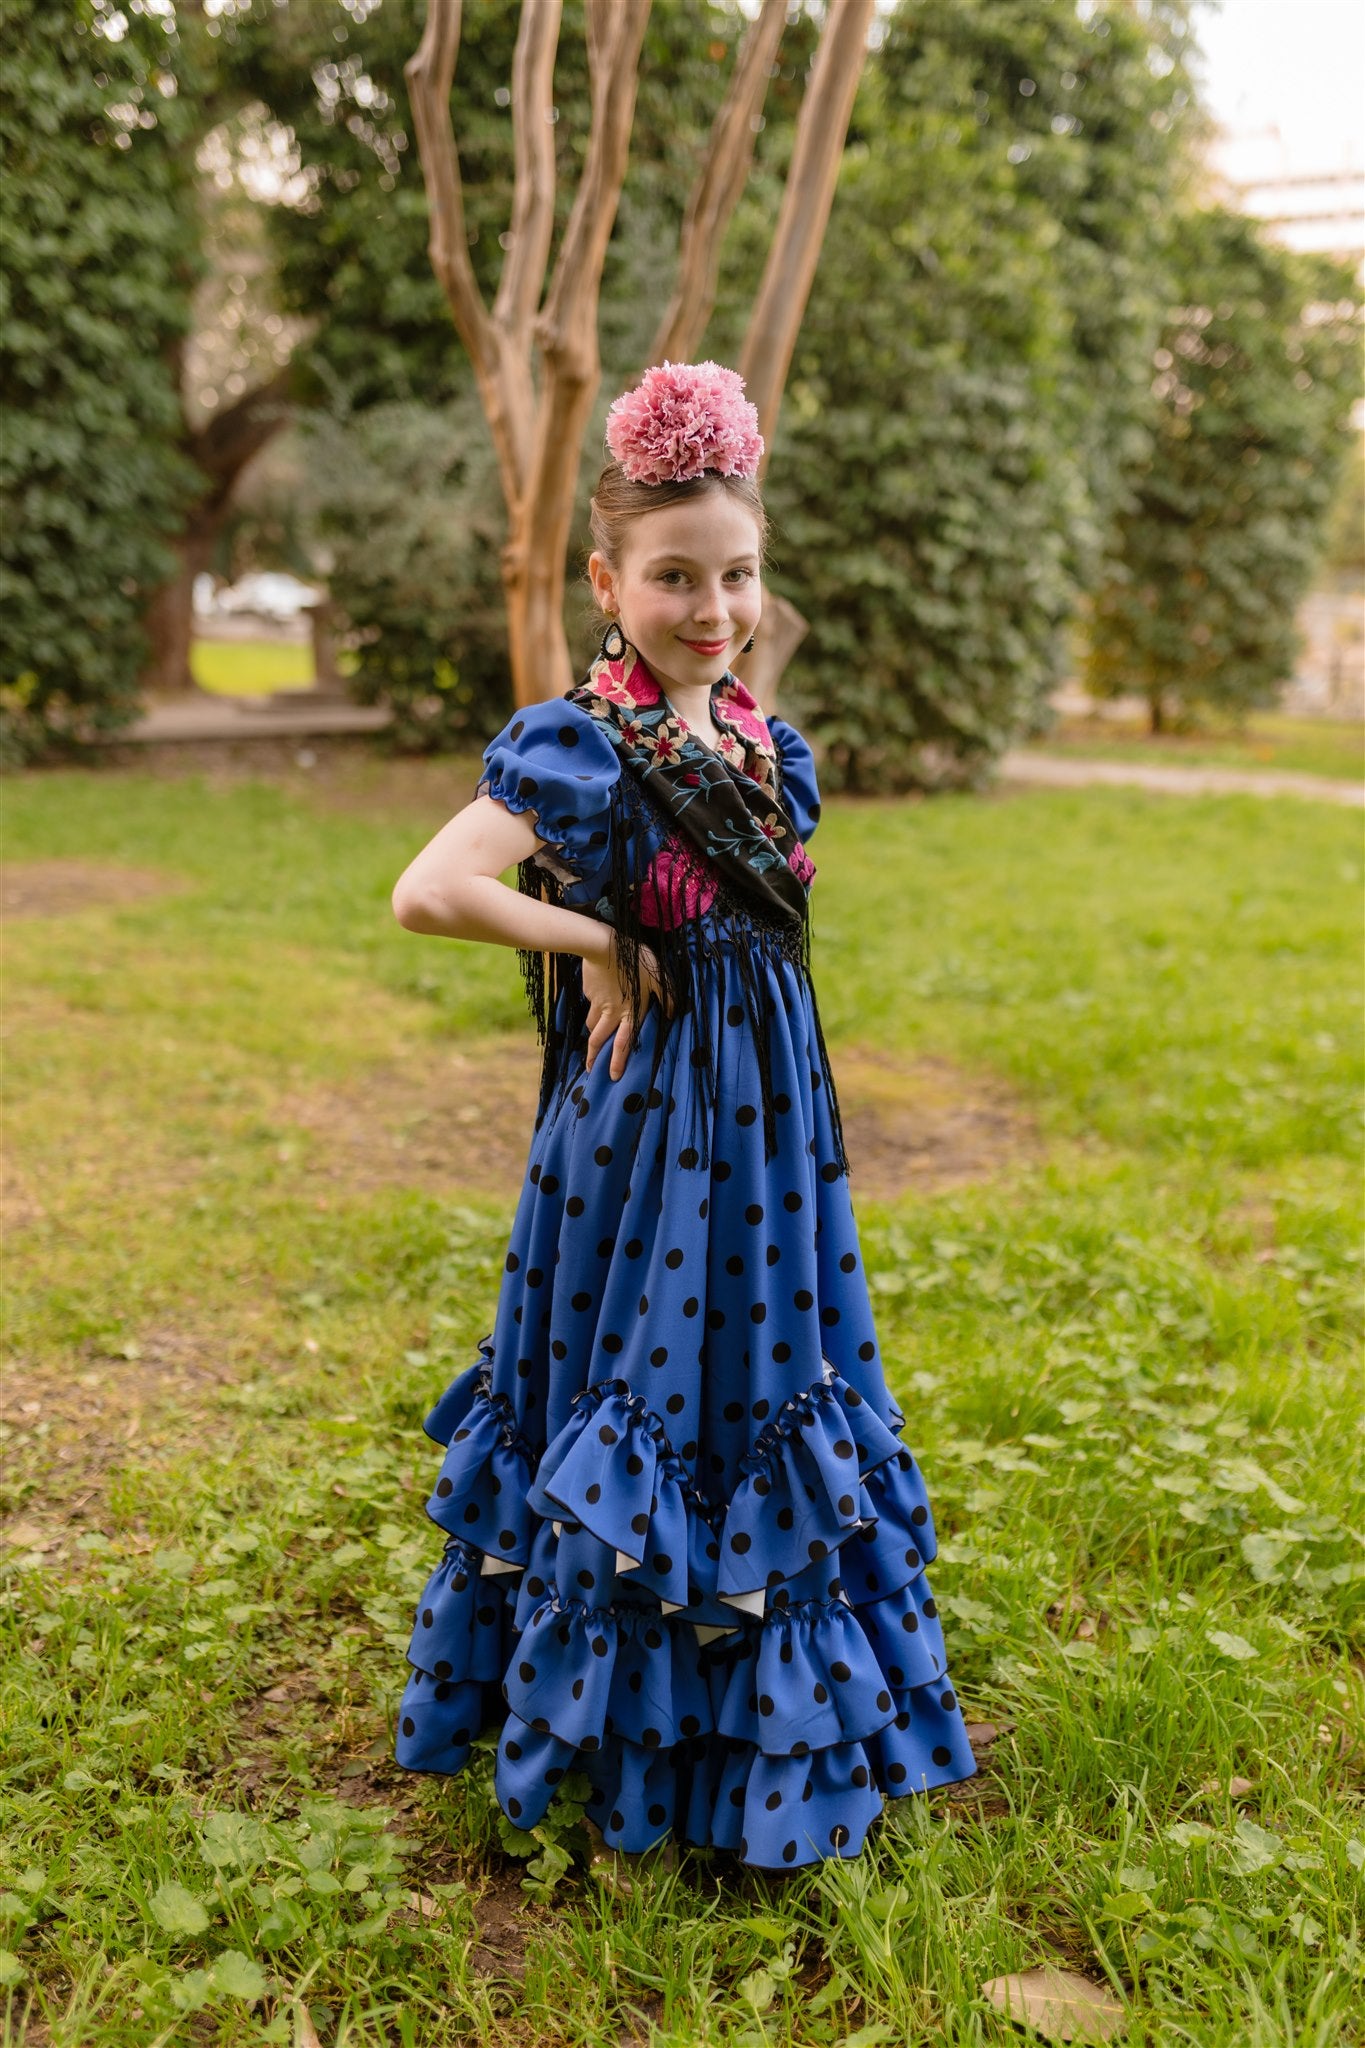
(683, 419)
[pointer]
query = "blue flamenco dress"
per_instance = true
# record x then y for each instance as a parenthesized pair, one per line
(686, 1545)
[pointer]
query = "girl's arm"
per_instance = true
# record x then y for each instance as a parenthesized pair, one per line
(453, 891)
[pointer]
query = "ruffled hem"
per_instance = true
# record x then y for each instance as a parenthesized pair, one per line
(587, 1604)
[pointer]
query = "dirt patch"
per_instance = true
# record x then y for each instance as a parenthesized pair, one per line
(59, 888)
(463, 1121)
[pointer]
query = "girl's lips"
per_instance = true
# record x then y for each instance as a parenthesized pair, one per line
(707, 646)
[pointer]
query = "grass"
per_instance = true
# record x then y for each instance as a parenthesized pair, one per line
(1267, 740)
(251, 668)
(1129, 1365)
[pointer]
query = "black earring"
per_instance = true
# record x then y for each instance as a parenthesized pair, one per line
(748, 646)
(610, 652)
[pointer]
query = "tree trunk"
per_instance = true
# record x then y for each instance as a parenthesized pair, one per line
(1157, 709)
(322, 620)
(169, 619)
(222, 450)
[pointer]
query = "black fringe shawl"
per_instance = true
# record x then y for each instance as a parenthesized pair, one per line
(554, 981)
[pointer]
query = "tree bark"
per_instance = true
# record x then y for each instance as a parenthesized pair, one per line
(221, 450)
(821, 130)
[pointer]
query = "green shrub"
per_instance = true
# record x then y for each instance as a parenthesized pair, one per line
(1256, 370)
(97, 260)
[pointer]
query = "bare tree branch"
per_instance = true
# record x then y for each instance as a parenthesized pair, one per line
(533, 202)
(716, 192)
(820, 133)
(225, 444)
(430, 74)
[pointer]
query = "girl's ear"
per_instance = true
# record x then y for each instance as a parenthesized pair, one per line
(603, 582)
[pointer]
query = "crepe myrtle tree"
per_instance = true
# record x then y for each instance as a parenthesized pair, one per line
(535, 351)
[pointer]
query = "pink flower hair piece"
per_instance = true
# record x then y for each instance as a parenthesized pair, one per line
(683, 419)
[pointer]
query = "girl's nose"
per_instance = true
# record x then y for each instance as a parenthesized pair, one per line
(711, 608)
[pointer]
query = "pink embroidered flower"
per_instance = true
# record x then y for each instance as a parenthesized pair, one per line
(615, 691)
(673, 889)
(771, 827)
(683, 419)
(801, 864)
(665, 745)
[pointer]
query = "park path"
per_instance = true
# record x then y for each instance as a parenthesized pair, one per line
(1053, 771)
(301, 715)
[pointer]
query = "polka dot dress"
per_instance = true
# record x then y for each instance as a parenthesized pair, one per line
(686, 1543)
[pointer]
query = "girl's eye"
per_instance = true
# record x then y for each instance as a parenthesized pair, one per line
(744, 575)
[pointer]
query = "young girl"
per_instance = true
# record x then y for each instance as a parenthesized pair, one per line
(687, 1546)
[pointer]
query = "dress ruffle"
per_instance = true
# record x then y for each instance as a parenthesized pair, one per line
(729, 1672)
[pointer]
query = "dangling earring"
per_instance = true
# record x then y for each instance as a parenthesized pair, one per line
(748, 646)
(616, 652)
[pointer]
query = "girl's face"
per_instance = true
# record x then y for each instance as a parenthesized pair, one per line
(687, 590)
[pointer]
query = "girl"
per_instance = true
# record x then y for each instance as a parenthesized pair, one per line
(687, 1546)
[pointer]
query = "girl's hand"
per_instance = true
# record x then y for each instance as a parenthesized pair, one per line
(609, 1015)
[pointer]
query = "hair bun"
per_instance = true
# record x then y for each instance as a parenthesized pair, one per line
(681, 420)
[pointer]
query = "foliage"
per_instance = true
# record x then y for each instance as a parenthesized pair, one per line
(969, 372)
(1124, 1368)
(98, 262)
(350, 242)
(1256, 371)
(405, 499)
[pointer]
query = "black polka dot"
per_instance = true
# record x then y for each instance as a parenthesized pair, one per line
(526, 1672)
(789, 1852)
(746, 1114)
(673, 1258)
(867, 1351)
(849, 1262)
(840, 1671)
(740, 1543)
(941, 1754)
(792, 1201)
(948, 1701)
(659, 1356)
(931, 1607)
(675, 1404)
(409, 1725)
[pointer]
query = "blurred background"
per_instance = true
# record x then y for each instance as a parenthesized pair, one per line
(1072, 432)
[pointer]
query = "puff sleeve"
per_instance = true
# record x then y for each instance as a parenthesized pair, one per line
(554, 760)
(800, 790)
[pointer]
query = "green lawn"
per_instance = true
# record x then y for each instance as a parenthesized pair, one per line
(1129, 1360)
(251, 668)
(1269, 739)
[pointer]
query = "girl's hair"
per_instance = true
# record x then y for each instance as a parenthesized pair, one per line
(617, 502)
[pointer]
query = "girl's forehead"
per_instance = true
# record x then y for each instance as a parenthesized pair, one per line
(710, 528)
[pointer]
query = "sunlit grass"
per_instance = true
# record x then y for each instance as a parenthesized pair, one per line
(1130, 1367)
